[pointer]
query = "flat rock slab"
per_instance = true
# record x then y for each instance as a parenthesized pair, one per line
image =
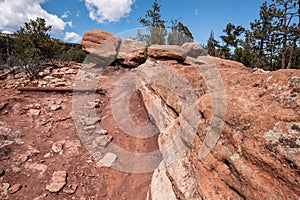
(58, 181)
(108, 160)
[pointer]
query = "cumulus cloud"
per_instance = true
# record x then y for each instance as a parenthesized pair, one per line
(15, 13)
(108, 10)
(72, 37)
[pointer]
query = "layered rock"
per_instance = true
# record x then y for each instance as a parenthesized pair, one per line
(226, 131)
(247, 148)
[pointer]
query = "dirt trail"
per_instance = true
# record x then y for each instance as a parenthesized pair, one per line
(38, 137)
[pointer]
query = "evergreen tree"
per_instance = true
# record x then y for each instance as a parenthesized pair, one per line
(213, 45)
(156, 26)
(179, 34)
(34, 46)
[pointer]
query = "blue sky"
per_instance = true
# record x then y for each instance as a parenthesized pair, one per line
(71, 18)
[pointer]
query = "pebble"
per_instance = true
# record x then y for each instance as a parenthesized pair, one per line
(55, 107)
(71, 189)
(4, 187)
(15, 188)
(101, 132)
(108, 160)
(89, 128)
(33, 112)
(58, 181)
(57, 147)
(102, 141)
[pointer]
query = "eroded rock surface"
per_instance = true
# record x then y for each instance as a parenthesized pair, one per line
(224, 131)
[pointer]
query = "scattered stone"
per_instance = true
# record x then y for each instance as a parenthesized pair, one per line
(22, 159)
(89, 128)
(70, 189)
(102, 141)
(57, 147)
(108, 160)
(15, 188)
(91, 121)
(16, 169)
(294, 81)
(4, 187)
(72, 146)
(58, 181)
(33, 112)
(47, 155)
(55, 107)
(101, 132)
(37, 166)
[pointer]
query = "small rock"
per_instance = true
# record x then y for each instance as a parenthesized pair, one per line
(33, 112)
(15, 188)
(4, 187)
(103, 140)
(108, 160)
(37, 166)
(58, 181)
(57, 147)
(47, 155)
(101, 132)
(294, 81)
(55, 107)
(16, 169)
(71, 189)
(89, 128)
(91, 121)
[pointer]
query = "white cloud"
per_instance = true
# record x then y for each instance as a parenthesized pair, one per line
(70, 23)
(15, 13)
(66, 14)
(196, 12)
(72, 37)
(108, 10)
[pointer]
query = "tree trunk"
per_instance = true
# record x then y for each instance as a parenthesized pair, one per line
(7, 52)
(62, 89)
(292, 53)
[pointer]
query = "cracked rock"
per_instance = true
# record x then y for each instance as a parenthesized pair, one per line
(58, 181)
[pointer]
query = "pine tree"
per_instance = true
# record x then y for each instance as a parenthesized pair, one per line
(212, 45)
(179, 34)
(34, 46)
(156, 25)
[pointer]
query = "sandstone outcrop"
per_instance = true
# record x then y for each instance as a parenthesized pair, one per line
(224, 131)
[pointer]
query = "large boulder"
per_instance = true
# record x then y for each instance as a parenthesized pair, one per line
(91, 39)
(132, 53)
(167, 52)
(102, 46)
(194, 49)
(226, 131)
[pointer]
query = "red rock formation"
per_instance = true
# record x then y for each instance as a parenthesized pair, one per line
(91, 39)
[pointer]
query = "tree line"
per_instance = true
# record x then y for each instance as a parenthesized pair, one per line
(32, 48)
(159, 33)
(271, 42)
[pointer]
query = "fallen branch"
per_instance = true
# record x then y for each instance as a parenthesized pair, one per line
(61, 89)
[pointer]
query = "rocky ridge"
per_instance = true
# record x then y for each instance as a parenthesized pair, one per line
(225, 131)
